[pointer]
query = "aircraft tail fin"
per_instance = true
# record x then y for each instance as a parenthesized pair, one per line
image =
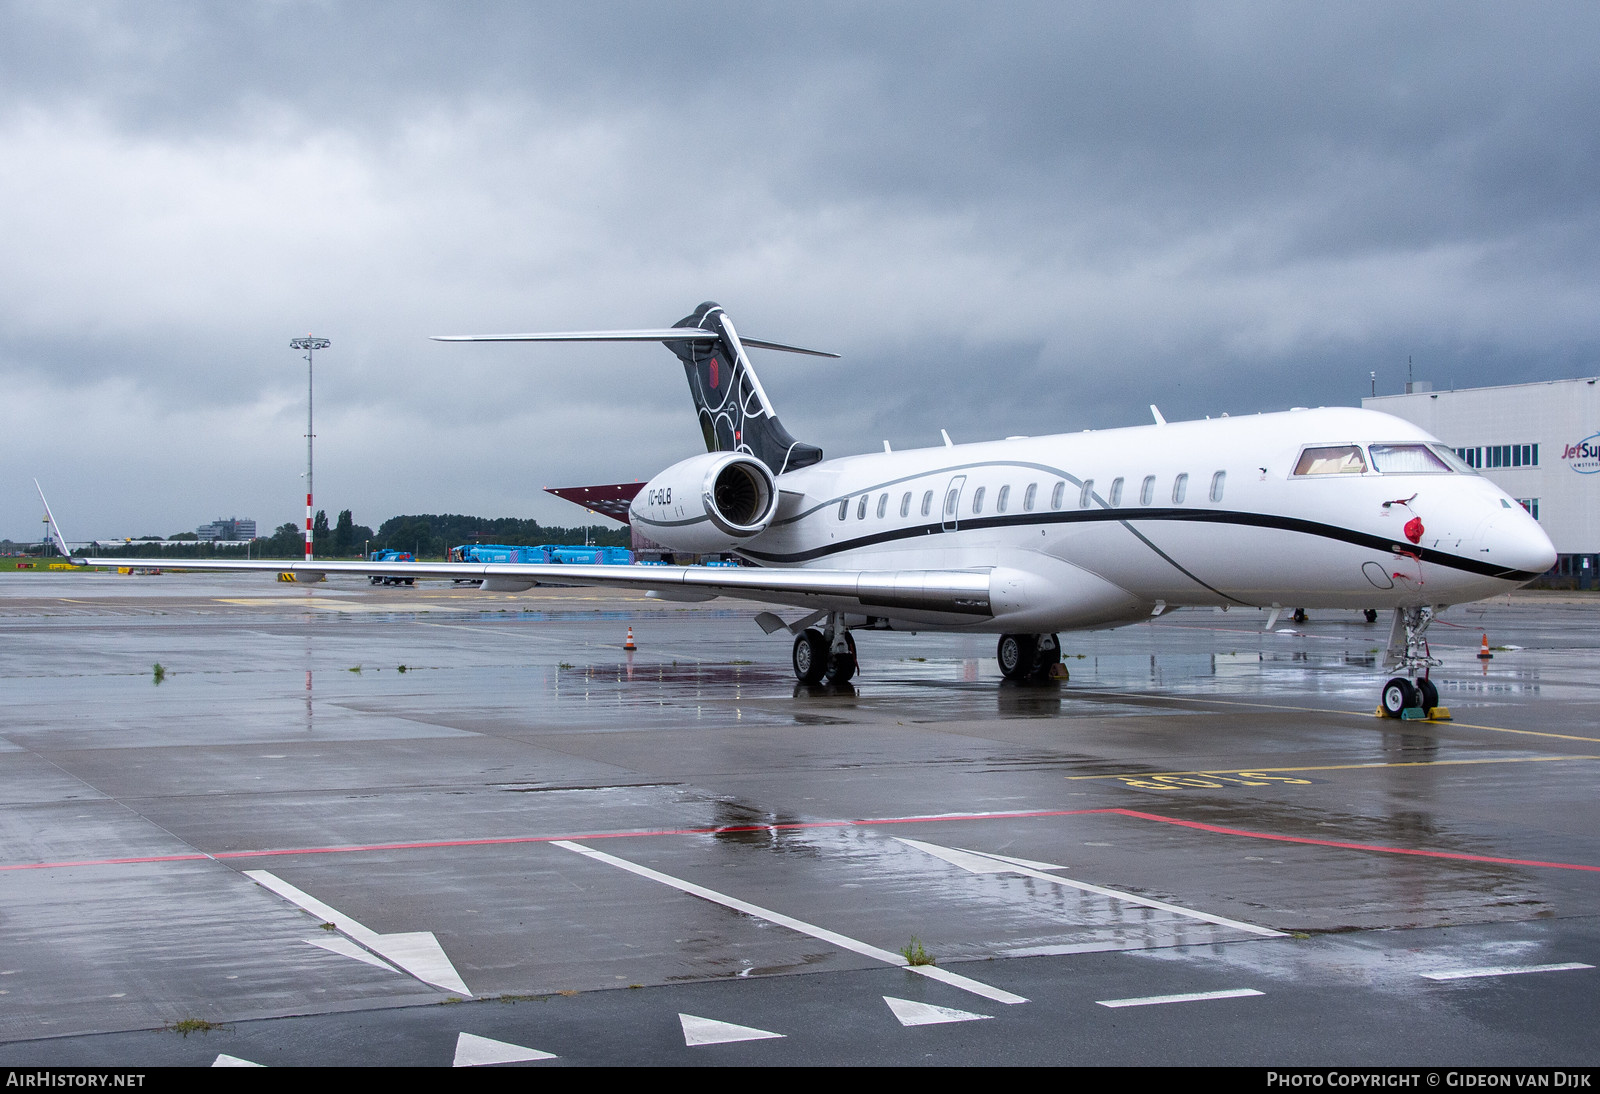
(735, 413)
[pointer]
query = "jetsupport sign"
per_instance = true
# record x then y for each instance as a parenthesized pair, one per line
(1584, 457)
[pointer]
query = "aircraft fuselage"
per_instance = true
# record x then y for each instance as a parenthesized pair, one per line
(1102, 527)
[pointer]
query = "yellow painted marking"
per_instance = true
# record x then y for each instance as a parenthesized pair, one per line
(1179, 699)
(1337, 767)
(1527, 732)
(1268, 776)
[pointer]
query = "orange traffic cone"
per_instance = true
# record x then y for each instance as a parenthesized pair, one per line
(628, 645)
(1483, 653)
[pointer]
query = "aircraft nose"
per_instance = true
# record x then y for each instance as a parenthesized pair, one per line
(1516, 542)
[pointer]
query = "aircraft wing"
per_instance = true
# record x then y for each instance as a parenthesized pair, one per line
(931, 596)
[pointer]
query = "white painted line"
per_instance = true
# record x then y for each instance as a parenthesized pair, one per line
(911, 1013)
(415, 952)
(1503, 970)
(709, 1031)
(1190, 997)
(979, 862)
(339, 944)
(224, 1060)
(475, 1051)
(932, 972)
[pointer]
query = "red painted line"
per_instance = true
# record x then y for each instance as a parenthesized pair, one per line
(1457, 855)
(498, 841)
(494, 841)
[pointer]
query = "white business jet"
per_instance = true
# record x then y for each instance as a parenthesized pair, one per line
(1030, 536)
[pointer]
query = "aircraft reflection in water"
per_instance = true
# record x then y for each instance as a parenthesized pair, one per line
(1030, 536)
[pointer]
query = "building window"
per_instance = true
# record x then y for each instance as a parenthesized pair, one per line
(1531, 505)
(1180, 487)
(1217, 482)
(1499, 455)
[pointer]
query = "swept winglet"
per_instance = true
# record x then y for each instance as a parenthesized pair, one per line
(55, 529)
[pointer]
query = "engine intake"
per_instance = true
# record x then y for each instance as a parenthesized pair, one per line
(712, 502)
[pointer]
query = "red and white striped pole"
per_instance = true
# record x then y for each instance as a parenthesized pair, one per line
(310, 343)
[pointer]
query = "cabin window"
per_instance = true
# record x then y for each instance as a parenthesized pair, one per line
(1147, 490)
(1002, 499)
(861, 509)
(950, 500)
(1055, 495)
(1180, 487)
(905, 504)
(977, 499)
(927, 503)
(1116, 491)
(1340, 459)
(1029, 495)
(1217, 482)
(1406, 459)
(1086, 495)
(883, 505)
(844, 507)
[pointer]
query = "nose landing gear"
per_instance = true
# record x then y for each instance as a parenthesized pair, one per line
(1408, 652)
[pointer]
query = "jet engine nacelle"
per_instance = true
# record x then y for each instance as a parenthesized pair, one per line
(708, 503)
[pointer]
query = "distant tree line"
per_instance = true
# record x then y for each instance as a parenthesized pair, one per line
(431, 535)
(427, 536)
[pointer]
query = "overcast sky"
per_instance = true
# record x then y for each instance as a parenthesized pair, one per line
(1009, 217)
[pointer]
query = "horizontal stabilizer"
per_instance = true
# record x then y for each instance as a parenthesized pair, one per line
(609, 501)
(672, 334)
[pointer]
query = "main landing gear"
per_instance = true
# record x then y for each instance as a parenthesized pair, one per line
(1028, 656)
(831, 655)
(1408, 652)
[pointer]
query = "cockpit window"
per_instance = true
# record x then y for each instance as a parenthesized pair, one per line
(1341, 459)
(1407, 459)
(1455, 462)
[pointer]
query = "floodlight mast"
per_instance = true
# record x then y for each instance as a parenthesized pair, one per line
(310, 343)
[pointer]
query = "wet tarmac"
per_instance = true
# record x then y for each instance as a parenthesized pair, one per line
(358, 825)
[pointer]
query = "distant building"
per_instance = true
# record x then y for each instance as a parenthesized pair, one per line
(231, 529)
(1538, 442)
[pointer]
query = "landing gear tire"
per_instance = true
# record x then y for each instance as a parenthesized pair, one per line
(1300, 615)
(810, 656)
(1427, 694)
(1371, 614)
(842, 666)
(1017, 654)
(1398, 694)
(1045, 660)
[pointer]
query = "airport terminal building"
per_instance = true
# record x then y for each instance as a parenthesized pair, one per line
(1539, 442)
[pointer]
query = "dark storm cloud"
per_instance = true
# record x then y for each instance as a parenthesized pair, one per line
(1012, 218)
